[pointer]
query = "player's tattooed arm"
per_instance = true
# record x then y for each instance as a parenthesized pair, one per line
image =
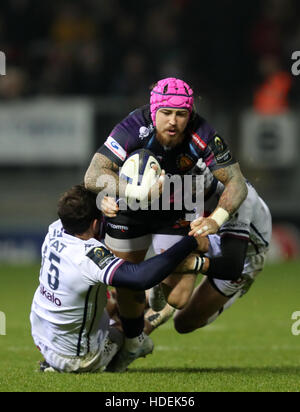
(102, 174)
(235, 191)
(234, 194)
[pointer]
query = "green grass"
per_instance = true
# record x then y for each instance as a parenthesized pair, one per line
(249, 348)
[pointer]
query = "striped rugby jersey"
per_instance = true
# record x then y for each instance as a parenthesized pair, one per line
(71, 298)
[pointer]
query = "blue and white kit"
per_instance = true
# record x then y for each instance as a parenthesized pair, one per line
(68, 315)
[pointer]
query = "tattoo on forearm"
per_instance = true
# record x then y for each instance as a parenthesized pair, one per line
(235, 191)
(103, 174)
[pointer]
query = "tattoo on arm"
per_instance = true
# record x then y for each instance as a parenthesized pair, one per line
(235, 191)
(103, 174)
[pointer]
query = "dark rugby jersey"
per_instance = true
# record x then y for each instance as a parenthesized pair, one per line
(136, 131)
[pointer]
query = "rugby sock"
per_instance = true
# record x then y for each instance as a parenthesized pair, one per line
(132, 327)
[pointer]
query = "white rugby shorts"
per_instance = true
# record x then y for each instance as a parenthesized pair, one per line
(252, 266)
(94, 361)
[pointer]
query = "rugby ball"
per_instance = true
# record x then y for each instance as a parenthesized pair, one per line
(137, 171)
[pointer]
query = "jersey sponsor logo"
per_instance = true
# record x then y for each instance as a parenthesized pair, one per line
(114, 147)
(101, 256)
(198, 141)
(185, 162)
(50, 296)
(118, 227)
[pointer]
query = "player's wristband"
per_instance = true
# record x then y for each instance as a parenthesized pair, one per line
(220, 216)
(199, 263)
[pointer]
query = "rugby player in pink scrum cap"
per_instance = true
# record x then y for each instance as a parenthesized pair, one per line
(178, 136)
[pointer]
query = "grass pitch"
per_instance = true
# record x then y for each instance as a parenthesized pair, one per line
(249, 348)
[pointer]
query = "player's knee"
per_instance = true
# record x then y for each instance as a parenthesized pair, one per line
(182, 324)
(177, 301)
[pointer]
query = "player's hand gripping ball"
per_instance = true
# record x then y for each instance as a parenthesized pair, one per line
(144, 178)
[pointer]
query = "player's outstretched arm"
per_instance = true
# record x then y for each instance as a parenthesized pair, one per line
(234, 194)
(228, 266)
(149, 273)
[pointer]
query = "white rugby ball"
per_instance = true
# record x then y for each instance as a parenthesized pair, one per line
(138, 173)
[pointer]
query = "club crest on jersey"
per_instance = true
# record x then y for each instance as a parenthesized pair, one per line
(185, 162)
(101, 256)
(145, 131)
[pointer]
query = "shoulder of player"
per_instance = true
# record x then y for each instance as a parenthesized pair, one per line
(136, 119)
(201, 132)
(86, 250)
(101, 257)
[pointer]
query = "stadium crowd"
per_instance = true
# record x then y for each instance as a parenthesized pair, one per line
(100, 47)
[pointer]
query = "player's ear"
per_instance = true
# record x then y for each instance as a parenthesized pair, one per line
(96, 226)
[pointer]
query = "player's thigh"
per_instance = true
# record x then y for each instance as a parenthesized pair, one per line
(177, 288)
(131, 244)
(204, 303)
(131, 303)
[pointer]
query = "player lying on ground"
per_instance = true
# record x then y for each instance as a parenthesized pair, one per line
(235, 257)
(178, 137)
(69, 321)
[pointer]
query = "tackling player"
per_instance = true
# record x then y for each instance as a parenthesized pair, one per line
(178, 137)
(69, 321)
(235, 257)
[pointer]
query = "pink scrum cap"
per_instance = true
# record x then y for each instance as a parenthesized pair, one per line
(171, 92)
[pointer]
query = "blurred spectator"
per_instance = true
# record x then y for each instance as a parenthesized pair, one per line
(14, 84)
(271, 97)
(132, 78)
(98, 47)
(71, 26)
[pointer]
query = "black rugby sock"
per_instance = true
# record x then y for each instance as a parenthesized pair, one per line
(132, 327)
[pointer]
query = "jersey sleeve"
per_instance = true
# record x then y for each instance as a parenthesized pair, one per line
(211, 147)
(99, 265)
(124, 138)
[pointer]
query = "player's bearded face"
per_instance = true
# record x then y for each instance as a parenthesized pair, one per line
(170, 126)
